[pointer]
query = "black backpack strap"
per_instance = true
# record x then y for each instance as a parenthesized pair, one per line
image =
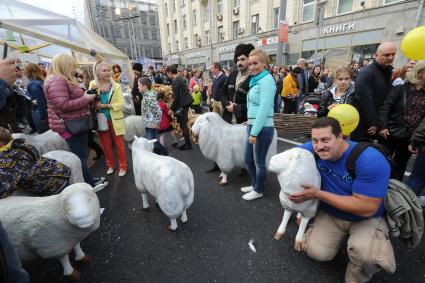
(350, 162)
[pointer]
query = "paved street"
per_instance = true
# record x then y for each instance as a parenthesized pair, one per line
(134, 246)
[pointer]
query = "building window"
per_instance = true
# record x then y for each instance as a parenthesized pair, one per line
(236, 3)
(177, 45)
(166, 9)
(145, 35)
(207, 13)
(207, 37)
(117, 31)
(344, 6)
(175, 26)
(184, 22)
(194, 17)
(308, 10)
(186, 43)
(148, 52)
(220, 6)
(391, 1)
(126, 33)
(183, 2)
(154, 35)
(236, 30)
(174, 5)
(276, 12)
(143, 18)
(152, 20)
(168, 29)
(220, 34)
(106, 31)
(254, 24)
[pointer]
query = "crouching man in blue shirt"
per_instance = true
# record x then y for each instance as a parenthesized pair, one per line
(348, 207)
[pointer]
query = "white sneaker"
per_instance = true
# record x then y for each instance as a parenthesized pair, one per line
(110, 171)
(122, 173)
(247, 189)
(100, 187)
(252, 195)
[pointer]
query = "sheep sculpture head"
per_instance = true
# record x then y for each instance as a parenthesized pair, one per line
(205, 119)
(81, 206)
(144, 144)
(287, 161)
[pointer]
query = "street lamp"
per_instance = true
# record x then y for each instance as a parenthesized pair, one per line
(117, 11)
(319, 15)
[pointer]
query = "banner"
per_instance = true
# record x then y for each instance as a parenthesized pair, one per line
(283, 31)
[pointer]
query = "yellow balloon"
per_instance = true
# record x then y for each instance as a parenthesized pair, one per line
(413, 44)
(347, 116)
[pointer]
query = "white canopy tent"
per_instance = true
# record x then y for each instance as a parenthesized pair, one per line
(39, 35)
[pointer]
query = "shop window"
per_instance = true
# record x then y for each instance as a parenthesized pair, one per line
(308, 10)
(276, 12)
(344, 6)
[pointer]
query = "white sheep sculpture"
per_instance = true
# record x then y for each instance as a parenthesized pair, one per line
(50, 227)
(44, 142)
(128, 104)
(168, 180)
(294, 168)
(224, 143)
(134, 127)
(71, 160)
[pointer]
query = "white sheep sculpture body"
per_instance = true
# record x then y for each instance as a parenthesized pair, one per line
(133, 127)
(224, 143)
(71, 160)
(50, 227)
(168, 180)
(294, 168)
(44, 142)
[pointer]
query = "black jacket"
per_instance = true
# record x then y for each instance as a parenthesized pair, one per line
(373, 84)
(328, 99)
(418, 137)
(228, 94)
(313, 83)
(181, 95)
(391, 113)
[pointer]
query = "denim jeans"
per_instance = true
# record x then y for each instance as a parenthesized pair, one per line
(417, 179)
(255, 157)
(15, 272)
(79, 146)
(151, 134)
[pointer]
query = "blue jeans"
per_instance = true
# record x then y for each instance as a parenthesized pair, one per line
(79, 145)
(14, 268)
(417, 179)
(41, 125)
(256, 166)
(151, 134)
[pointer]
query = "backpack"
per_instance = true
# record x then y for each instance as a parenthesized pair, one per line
(350, 162)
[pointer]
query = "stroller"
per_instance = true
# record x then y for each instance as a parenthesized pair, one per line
(310, 105)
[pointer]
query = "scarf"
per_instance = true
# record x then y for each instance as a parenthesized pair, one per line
(255, 79)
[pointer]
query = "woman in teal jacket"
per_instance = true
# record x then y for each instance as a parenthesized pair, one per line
(260, 128)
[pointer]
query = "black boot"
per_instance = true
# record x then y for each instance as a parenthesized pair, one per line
(214, 169)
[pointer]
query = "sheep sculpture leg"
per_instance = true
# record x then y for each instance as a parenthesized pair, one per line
(173, 226)
(80, 255)
(145, 201)
(183, 217)
(223, 179)
(282, 227)
(300, 234)
(68, 270)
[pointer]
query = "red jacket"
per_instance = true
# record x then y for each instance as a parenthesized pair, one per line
(64, 102)
(165, 119)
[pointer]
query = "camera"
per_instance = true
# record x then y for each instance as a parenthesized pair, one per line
(92, 91)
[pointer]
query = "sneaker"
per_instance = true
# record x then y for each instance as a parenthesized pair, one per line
(99, 180)
(247, 189)
(122, 173)
(100, 187)
(110, 171)
(252, 195)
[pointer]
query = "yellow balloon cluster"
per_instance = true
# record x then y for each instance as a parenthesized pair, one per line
(413, 44)
(347, 116)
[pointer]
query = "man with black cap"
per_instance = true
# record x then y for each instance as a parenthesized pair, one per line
(137, 96)
(235, 89)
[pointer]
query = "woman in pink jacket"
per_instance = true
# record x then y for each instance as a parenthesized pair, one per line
(67, 101)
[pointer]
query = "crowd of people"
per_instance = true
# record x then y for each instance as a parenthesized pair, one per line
(391, 105)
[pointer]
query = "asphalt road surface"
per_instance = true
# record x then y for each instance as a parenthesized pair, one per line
(132, 245)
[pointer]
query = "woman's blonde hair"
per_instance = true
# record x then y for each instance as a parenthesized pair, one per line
(413, 76)
(262, 55)
(64, 65)
(344, 70)
(96, 68)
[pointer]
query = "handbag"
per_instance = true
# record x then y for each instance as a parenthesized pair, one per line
(79, 126)
(102, 122)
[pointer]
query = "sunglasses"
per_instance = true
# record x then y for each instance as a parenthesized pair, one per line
(78, 76)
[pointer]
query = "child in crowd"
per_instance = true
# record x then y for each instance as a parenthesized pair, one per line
(166, 120)
(197, 98)
(150, 110)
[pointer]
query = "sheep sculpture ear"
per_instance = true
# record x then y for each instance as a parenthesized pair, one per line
(152, 141)
(135, 137)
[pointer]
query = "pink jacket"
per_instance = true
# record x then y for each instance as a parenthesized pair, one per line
(64, 102)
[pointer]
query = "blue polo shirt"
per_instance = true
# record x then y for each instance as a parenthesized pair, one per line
(372, 178)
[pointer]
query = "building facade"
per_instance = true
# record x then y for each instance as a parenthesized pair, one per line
(131, 26)
(198, 32)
